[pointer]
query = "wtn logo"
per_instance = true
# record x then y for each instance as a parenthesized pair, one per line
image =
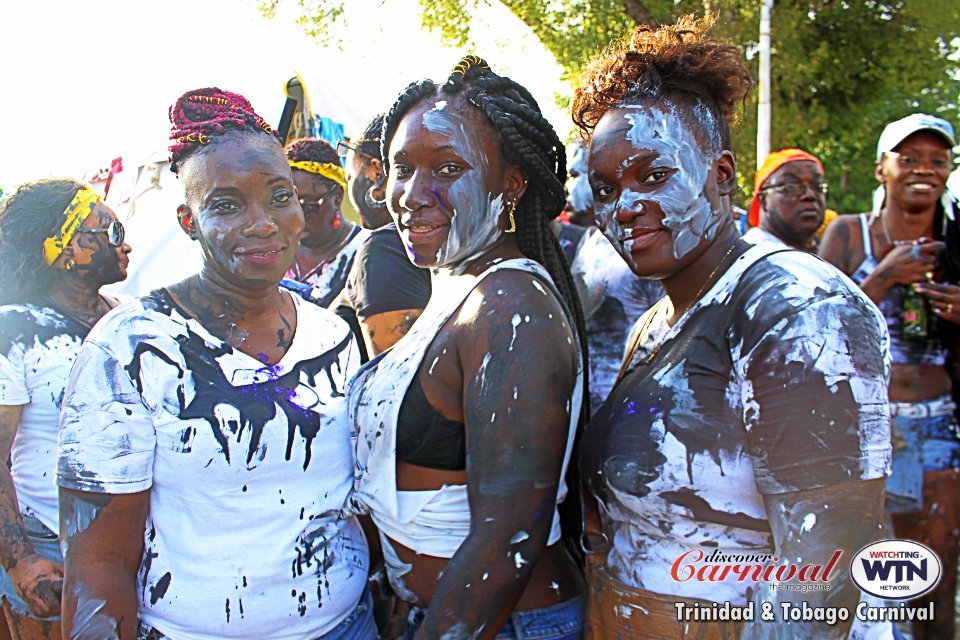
(902, 569)
(895, 569)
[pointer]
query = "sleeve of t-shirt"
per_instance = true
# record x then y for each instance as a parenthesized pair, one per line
(13, 377)
(107, 435)
(383, 279)
(813, 382)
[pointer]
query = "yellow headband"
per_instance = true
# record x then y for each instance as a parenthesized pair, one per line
(76, 212)
(327, 170)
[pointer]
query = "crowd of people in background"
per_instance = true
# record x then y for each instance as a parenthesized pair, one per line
(505, 401)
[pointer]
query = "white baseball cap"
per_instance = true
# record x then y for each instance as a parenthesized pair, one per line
(898, 131)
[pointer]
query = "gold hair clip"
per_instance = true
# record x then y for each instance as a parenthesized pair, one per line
(193, 137)
(466, 62)
(209, 99)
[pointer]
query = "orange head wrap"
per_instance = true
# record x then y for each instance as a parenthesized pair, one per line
(773, 162)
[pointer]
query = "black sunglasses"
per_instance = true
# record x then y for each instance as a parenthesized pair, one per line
(115, 233)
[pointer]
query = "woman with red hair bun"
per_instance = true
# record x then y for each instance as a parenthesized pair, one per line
(205, 456)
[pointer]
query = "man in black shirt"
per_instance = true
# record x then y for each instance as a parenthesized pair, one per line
(385, 293)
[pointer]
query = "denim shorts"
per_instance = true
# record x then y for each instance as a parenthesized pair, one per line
(564, 621)
(45, 545)
(358, 625)
(930, 435)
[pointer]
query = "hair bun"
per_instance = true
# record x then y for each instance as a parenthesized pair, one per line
(470, 62)
(201, 114)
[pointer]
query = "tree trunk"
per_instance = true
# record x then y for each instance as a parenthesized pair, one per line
(639, 13)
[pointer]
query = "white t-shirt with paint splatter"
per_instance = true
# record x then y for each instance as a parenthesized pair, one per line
(774, 382)
(248, 468)
(38, 345)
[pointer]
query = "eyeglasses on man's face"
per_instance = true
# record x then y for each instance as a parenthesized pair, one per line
(115, 233)
(343, 148)
(797, 189)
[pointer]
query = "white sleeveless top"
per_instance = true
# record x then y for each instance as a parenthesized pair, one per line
(435, 522)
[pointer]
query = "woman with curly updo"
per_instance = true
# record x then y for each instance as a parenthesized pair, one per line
(205, 455)
(750, 416)
(328, 243)
(59, 244)
(467, 423)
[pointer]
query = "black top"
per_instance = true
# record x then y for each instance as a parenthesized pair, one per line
(425, 437)
(382, 279)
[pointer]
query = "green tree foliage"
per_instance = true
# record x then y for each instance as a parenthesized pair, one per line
(842, 69)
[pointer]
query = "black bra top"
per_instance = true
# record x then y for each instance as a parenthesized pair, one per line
(424, 437)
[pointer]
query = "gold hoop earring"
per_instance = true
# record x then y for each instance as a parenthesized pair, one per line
(69, 264)
(513, 221)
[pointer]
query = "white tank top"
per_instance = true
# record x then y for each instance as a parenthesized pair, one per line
(435, 522)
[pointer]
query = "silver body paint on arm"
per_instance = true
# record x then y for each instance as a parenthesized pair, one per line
(89, 622)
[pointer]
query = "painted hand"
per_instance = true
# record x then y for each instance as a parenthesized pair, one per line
(945, 299)
(39, 582)
(910, 263)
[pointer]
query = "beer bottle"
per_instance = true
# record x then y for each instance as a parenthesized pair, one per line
(915, 314)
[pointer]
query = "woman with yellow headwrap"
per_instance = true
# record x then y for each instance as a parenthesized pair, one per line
(59, 243)
(328, 243)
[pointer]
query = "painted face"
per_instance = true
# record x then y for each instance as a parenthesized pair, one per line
(361, 177)
(446, 182)
(654, 190)
(241, 197)
(915, 172)
(320, 201)
(96, 260)
(794, 219)
(579, 205)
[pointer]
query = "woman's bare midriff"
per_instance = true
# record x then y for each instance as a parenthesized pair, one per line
(916, 383)
(555, 577)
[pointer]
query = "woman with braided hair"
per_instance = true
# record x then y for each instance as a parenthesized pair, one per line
(466, 425)
(205, 455)
(750, 414)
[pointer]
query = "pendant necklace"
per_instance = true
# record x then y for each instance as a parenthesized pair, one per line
(657, 309)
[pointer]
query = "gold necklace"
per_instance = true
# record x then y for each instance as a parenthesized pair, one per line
(646, 325)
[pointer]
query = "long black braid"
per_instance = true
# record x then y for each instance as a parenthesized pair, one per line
(948, 231)
(528, 141)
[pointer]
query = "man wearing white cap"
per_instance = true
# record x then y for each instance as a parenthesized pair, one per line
(908, 244)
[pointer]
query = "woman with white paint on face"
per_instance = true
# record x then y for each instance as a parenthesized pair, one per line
(205, 457)
(467, 423)
(750, 414)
